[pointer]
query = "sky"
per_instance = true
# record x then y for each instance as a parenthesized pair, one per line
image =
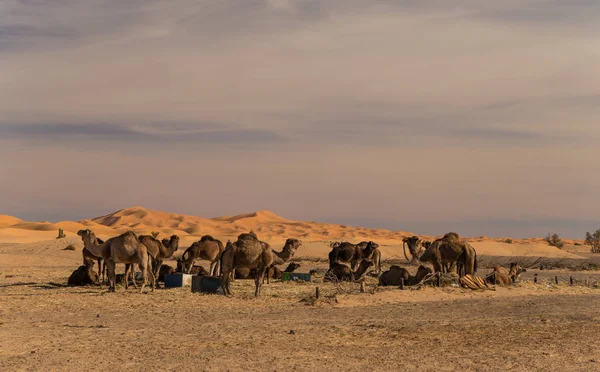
(426, 116)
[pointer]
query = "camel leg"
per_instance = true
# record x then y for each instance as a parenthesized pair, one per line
(157, 263)
(260, 274)
(153, 277)
(143, 265)
(226, 284)
(191, 264)
(211, 268)
(110, 270)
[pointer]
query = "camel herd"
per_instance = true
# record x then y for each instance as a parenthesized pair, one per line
(248, 257)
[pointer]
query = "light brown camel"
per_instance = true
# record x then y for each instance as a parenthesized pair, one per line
(125, 248)
(375, 254)
(341, 272)
(208, 249)
(442, 253)
(504, 277)
(413, 247)
(89, 258)
(395, 273)
(249, 252)
(158, 250)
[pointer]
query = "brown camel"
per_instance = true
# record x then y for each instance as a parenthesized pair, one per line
(350, 254)
(158, 251)
(504, 277)
(375, 255)
(249, 252)
(196, 269)
(395, 273)
(208, 249)
(341, 272)
(164, 270)
(273, 272)
(413, 248)
(442, 253)
(89, 258)
(125, 248)
(84, 275)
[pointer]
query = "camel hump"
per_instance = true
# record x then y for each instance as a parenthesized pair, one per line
(208, 238)
(247, 237)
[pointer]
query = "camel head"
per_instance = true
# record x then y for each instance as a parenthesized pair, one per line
(370, 247)
(335, 244)
(292, 267)
(88, 236)
(515, 271)
(291, 245)
(423, 271)
(413, 246)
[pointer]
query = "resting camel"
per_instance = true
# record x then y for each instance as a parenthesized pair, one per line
(350, 254)
(84, 275)
(158, 251)
(395, 273)
(164, 270)
(196, 269)
(125, 248)
(249, 252)
(442, 253)
(375, 255)
(342, 272)
(89, 258)
(208, 249)
(272, 273)
(504, 277)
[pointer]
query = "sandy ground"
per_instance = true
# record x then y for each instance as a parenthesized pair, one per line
(46, 326)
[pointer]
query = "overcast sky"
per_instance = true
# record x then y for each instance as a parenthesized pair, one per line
(428, 116)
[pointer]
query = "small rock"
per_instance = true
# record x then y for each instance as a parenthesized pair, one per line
(594, 361)
(33, 351)
(292, 332)
(97, 315)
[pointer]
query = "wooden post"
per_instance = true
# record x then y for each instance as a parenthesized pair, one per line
(535, 276)
(317, 292)
(402, 284)
(362, 286)
(571, 280)
(556, 279)
(439, 280)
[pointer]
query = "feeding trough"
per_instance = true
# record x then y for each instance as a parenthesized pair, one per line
(178, 280)
(305, 277)
(206, 284)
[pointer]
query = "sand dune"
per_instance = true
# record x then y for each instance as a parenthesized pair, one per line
(268, 225)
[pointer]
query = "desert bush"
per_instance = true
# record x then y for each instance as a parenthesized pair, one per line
(577, 243)
(155, 234)
(69, 247)
(593, 240)
(508, 241)
(554, 240)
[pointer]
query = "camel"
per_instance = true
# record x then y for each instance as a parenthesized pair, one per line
(207, 248)
(249, 252)
(84, 275)
(375, 255)
(342, 272)
(395, 273)
(449, 249)
(504, 277)
(125, 248)
(88, 259)
(164, 270)
(413, 248)
(273, 272)
(158, 250)
(352, 254)
(196, 269)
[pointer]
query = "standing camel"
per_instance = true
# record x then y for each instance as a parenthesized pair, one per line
(158, 251)
(444, 252)
(249, 252)
(208, 249)
(125, 248)
(413, 248)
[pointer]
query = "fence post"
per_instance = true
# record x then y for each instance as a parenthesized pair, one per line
(535, 276)
(362, 286)
(571, 280)
(556, 279)
(317, 292)
(439, 279)
(402, 283)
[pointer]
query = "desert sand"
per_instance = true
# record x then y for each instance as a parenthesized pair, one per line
(45, 325)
